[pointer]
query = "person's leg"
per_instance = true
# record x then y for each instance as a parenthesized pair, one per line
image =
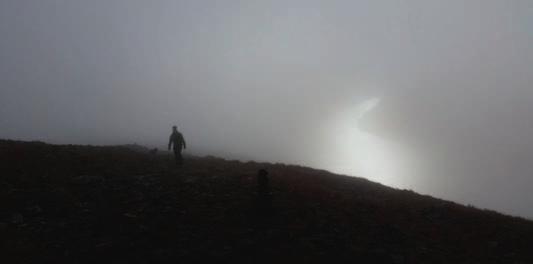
(180, 158)
(177, 156)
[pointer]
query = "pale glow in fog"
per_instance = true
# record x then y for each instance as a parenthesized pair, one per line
(359, 153)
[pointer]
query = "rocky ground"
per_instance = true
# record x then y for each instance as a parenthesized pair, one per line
(83, 204)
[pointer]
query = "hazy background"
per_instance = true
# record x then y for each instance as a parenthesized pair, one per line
(435, 96)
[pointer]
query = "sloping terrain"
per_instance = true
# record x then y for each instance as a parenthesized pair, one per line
(83, 204)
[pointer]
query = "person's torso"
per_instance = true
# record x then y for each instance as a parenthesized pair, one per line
(177, 139)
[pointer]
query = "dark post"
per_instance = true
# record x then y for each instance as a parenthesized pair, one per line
(264, 196)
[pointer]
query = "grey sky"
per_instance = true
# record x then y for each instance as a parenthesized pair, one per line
(284, 81)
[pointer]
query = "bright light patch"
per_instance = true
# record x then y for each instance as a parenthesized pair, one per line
(366, 107)
(359, 153)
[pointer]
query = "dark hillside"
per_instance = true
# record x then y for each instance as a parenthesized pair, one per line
(83, 204)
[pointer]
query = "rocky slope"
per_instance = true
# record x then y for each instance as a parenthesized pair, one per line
(83, 204)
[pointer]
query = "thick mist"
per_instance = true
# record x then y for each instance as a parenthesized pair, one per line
(433, 96)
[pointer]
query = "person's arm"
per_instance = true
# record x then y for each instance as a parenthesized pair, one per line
(169, 142)
(183, 140)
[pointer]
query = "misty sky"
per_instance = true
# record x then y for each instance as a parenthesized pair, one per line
(434, 96)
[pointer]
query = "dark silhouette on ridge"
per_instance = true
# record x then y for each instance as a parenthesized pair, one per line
(264, 196)
(178, 142)
(263, 187)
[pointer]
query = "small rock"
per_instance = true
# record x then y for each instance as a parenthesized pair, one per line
(104, 244)
(162, 255)
(130, 215)
(17, 218)
(398, 259)
(35, 209)
(493, 244)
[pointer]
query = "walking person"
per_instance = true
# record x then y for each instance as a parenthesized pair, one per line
(177, 141)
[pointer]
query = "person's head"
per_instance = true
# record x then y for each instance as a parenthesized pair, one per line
(174, 128)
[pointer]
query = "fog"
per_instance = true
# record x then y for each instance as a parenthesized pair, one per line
(433, 96)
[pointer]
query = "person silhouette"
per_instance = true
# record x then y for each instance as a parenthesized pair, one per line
(178, 142)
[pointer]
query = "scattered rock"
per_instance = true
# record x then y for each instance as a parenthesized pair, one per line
(34, 210)
(493, 244)
(130, 215)
(17, 219)
(398, 259)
